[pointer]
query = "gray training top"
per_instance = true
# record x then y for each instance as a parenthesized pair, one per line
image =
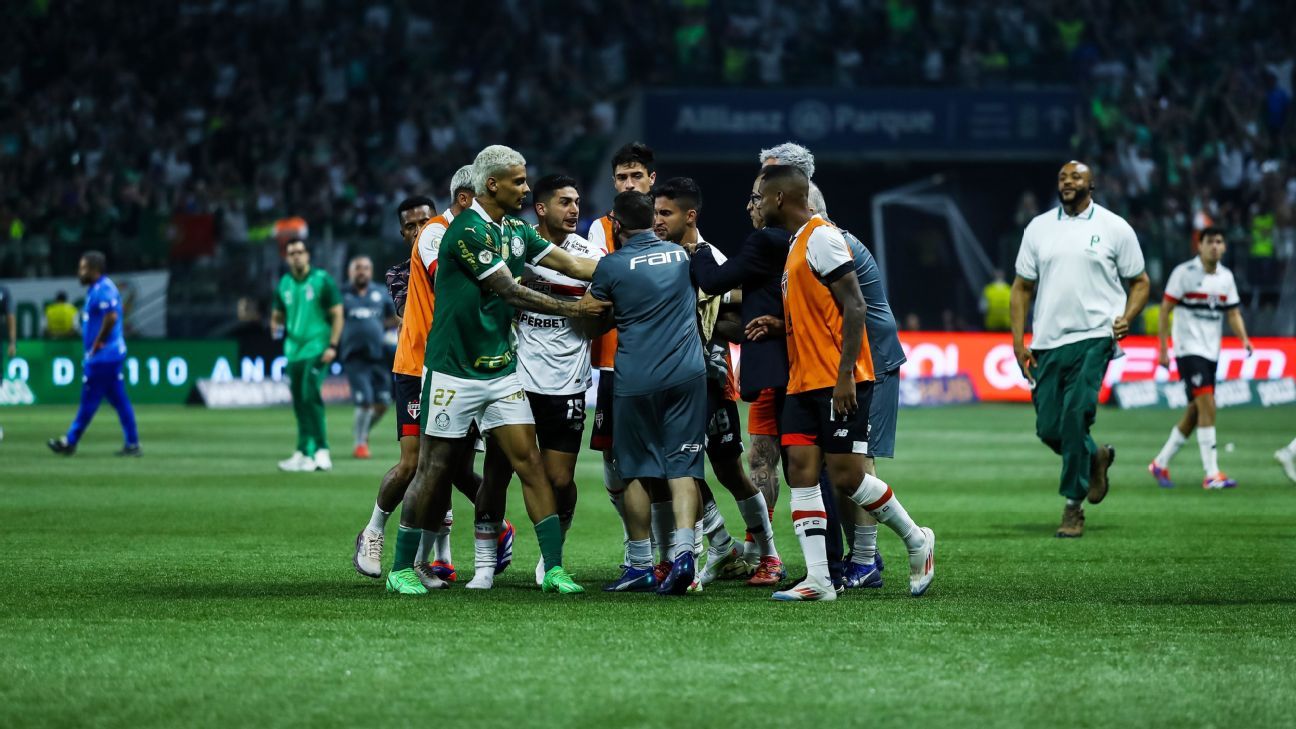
(879, 322)
(362, 332)
(658, 345)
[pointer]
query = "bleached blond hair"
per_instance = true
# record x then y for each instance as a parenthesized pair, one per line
(462, 180)
(492, 161)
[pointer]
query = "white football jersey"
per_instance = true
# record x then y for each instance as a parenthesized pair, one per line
(1200, 302)
(553, 359)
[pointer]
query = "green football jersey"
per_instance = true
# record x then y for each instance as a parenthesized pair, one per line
(305, 305)
(472, 330)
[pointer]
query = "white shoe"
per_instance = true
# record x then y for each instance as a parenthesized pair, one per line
(298, 462)
(808, 590)
(540, 572)
(716, 566)
(482, 581)
(323, 462)
(368, 553)
(1288, 461)
(922, 565)
(429, 580)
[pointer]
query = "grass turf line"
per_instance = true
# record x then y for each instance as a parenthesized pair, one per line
(199, 586)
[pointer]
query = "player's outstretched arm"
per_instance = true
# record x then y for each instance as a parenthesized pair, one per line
(581, 269)
(1019, 302)
(503, 285)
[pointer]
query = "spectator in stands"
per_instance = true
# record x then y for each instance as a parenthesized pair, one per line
(61, 318)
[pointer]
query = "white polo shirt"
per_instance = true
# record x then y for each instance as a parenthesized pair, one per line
(1200, 300)
(1077, 264)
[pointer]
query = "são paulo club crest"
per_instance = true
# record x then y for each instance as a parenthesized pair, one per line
(414, 408)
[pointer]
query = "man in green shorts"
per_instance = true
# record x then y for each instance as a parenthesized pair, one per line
(1077, 256)
(471, 361)
(308, 310)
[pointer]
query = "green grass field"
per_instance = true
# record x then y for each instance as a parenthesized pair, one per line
(199, 587)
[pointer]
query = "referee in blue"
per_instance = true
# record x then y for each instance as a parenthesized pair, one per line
(105, 351)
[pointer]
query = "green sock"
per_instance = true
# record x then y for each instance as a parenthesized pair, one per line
(407, 544)
(549, 534)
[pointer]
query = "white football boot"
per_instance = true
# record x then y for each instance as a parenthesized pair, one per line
(922, 565)
(298, 462)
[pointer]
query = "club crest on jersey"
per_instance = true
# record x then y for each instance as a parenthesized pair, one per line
(484, 257)
(442, 420)
(413, 409)
(516, 244)
(1093, 241)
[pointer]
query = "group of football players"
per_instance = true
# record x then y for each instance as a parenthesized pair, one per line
(501, 335)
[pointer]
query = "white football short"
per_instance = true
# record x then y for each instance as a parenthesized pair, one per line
(453, 403)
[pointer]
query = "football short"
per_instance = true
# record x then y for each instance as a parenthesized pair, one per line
(601, 437)
(1197, 374)
(724, 426)
(808, 419)
(369, 381)
(883, 413)
(560, 420)
(406, 391)
(662, 434)
(452, 404)
(762, 415)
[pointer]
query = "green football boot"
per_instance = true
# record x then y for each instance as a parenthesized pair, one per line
(557, 580)
(405, 582)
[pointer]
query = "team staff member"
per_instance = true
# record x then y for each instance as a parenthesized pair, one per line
(368, 311)
(308, 309)
(1076, 255)
(830, 383)
(105, 351)
(659, 387)
(1204, 292)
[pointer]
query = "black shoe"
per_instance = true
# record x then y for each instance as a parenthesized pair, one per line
(61, 446)
(130, 450)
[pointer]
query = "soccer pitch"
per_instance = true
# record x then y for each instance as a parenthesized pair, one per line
(198, 586)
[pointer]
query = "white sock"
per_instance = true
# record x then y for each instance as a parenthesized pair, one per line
(663, 520)
(865, 547)
(684, 542)
(713, 524)
(1291, 447)
(485, 550)
(1206, 443)
(810, 520)
(360, 428)
(878, 500)
(1073, 502)
(378, 520)
(426, 541)
(640, 554)
(616, 494)
(755, 514)
(1171, 447)
(442, 543)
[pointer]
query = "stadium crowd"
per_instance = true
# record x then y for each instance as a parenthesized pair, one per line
(178, 108)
